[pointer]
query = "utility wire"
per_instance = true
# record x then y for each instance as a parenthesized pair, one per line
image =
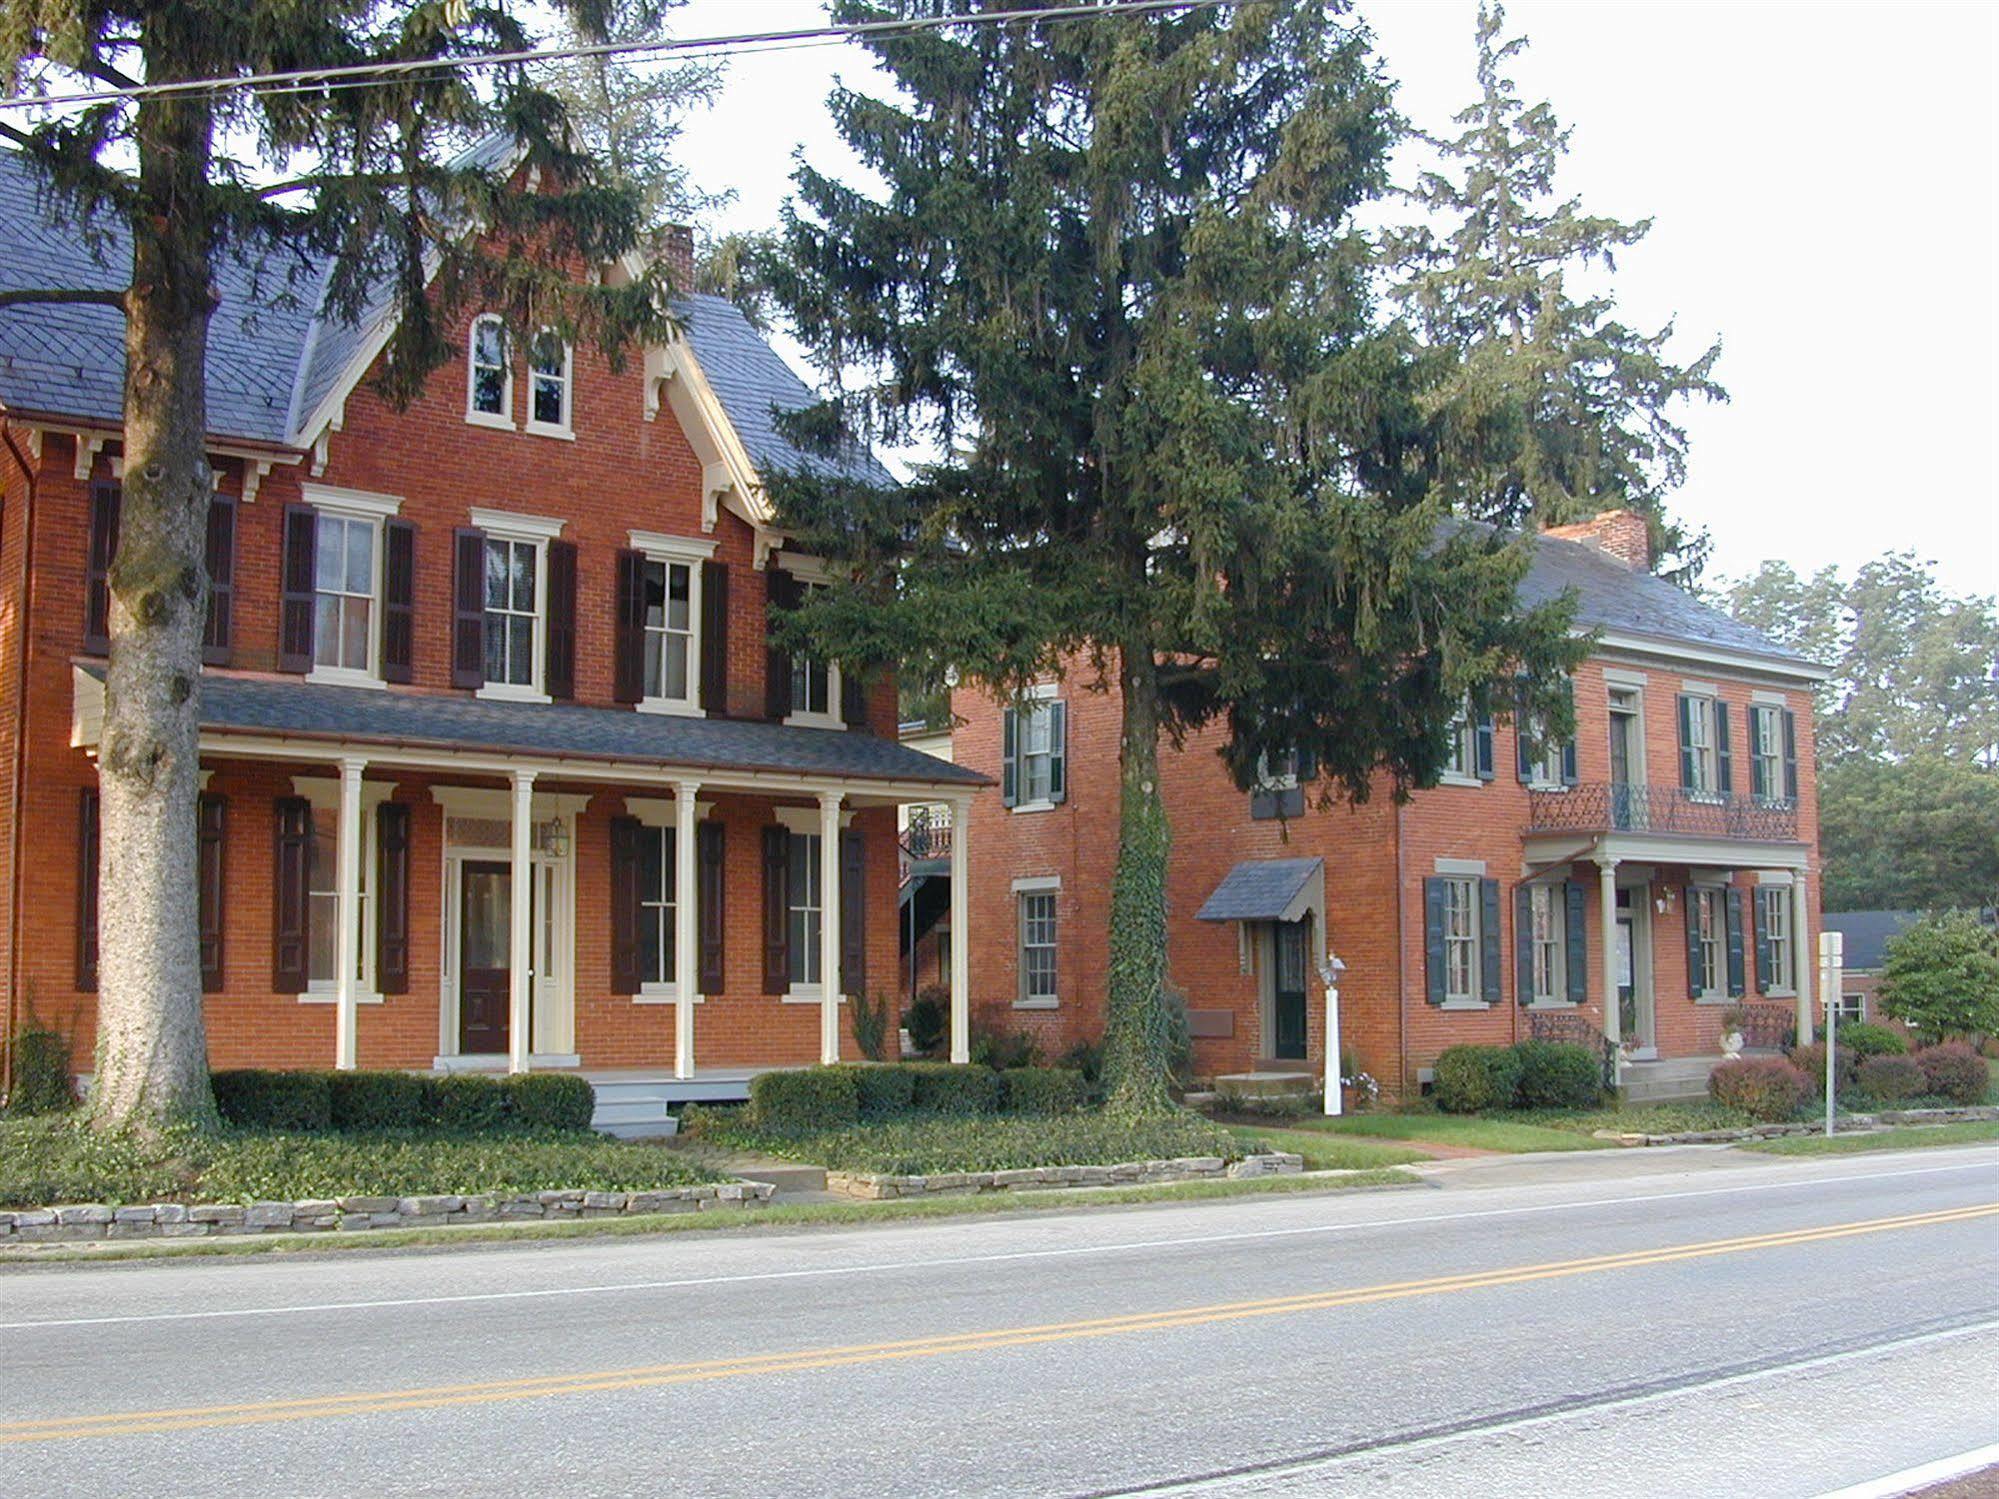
(373, 74)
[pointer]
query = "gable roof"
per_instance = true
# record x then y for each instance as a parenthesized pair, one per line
(1868, 933)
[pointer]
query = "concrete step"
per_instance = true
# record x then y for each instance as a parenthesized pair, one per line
(662, 1128)
(1267, 1084)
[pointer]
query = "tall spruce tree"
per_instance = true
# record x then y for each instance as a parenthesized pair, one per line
(1552, 409)
(1114, 280)
(370, 175)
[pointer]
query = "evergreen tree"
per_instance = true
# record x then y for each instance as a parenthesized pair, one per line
(1114, 280)
(370, 173)
(1552, 409)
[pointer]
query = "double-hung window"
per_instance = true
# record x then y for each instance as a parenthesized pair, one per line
(1702, 755)
(666, 571)
(657, 875)
(1035, 913)
(346, 576)
(1545, 907)
(342, 587)
(806, 909)
(1037, 752)
(323, 903)
(1034, 751)
(812, 688)
(513, 612)
(1773, 939)
(1461, 941)
(489, 379)
(1707, 951)
(1463, 763)
(550, 385)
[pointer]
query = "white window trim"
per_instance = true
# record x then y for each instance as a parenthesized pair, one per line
(1558, 924)
(689, 552)
(355, 505)
(322, 794)
(536, 531)
(1475, 909)
(1464, 748)
(566, 428)
(1779, 887)
(1719, 889)
(658, 812)
(1040, 692)
(1050, 885)
(1707, 756)
(503, 419)
(811, 572)
(1473, 868)
(805, 821)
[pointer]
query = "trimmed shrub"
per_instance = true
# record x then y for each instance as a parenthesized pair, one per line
(1890, 1077)
(884, 1092)
(1954, 1071)
(376, 1100)
(1558, 1075)
(1042, 1090)
(926, 1020)
(42, 1083)
(943, 1088)
(1470, 1079)
(253, 1098)
(1810, 1060)
(1764, 1088)
(1869, 1040)
(550, 1100)
(804, 1099)
(465, 1103)
(1004, 1050)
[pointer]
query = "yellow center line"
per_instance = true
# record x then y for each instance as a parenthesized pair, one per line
(320, 1407)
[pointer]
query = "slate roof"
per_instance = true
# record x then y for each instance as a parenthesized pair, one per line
(362, 715)
(1868, 933)
(1259, 890)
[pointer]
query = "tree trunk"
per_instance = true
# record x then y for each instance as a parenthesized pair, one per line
(152, 1053)
(1137, 1036)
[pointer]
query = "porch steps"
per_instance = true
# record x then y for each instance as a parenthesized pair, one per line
(1270, 1084)
(1669, 1080)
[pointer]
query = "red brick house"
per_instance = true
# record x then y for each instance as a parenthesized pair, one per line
(489, 703)
(1668, 853)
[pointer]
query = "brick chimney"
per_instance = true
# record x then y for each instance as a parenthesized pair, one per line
(1622, 533)
(677, 249)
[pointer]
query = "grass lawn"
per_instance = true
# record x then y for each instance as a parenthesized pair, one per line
(1470, 1131)
(1322, 1153)
(1905, 1138)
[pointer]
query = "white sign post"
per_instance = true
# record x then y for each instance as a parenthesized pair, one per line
(1831, 952)
(1331, 974)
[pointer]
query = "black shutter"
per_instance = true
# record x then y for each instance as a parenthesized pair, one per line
(853, 913)
(784, 593)
(1760, 929)
(1488, 937)
(1686, 707)
(295, 607)
(777, 910)
(625, 835)
(104, 507)
(710, 855)
(392, 897)
(211, 828)
(468, 607)
(1523, 755)
(1009, 757)
(1058, 751)
(1262, 804)
(1575, 939)
(1790, 756)
(1433, 937)
(1693, 915)
(217, 627)
(1732, 906)
(1569, 776)
(289, 957)
(715, 638)
(1759, 786)
(628, 632)
(1484, 747)
(853, 699)
(1724, 772)
(87, 840)
(559, 674)
(1523, 943)
(398, 601)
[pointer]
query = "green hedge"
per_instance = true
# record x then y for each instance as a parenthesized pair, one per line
(1041, 1090)
(805, 1098)
(946, 1088)
(1867, 1039)
(42, 1082)
(1557, 1075)
(255, 1099)
(809, 1099)
(919, 1146)
(551, 1100)
(1472, 1079)
(354, 1102)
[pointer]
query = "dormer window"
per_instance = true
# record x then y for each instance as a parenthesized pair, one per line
(489, 395)
(549, 385)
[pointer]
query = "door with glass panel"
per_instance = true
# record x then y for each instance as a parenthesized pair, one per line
(1288, 993)
(485, 942)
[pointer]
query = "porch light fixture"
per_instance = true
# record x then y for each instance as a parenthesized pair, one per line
(555, 838)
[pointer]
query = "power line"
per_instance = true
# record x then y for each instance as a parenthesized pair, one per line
(375, 74)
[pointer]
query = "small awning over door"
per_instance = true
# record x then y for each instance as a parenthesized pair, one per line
(1268, 890)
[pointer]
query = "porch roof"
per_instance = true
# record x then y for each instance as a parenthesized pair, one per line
(1262, 890)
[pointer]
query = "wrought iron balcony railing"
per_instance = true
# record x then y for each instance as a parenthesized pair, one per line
(1598, 807)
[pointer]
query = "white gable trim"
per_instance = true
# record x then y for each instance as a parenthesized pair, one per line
(728, 476)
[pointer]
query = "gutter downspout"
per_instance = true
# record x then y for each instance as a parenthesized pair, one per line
(17, 771)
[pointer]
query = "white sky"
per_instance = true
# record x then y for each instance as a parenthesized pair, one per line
(1811, 167)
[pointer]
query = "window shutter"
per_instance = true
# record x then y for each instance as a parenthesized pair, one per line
(1686, 710)
(398, 601)
(1692, 908)
(777, 910)
(628, 633)
(853, 913)
(783, 593)
(1575, 941)
(104, 508)
(220, 558)
(1732, 906)
(1262, 804)
(87, 839)
(1724, 778)
(468, 608)
(1759, 786)
(1291, 802)
(392, 897)
(1761, 926)
(625, 835)
(1009, 757)
(1523, 943)
(288, 895)
(1433, 938)
(211, 825)
(1484, 744)
(559, 671)
(295, 605)
(853, 699)
(1488, 938)
(1790, 756)
(710, 856)
(715, 638)
(1569, 776)
(1523, 754)
(1058, 751)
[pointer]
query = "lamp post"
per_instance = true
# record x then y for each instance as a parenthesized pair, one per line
(1330, 973)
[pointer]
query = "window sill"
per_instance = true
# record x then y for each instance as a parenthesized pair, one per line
(342, 676)
(1048, 1002)
(808, 994)
(1779, 993)
(545, 429)
(1453, 778)
(1032, 807)
(1553, 1004)
(328, 997)
(1547, 786)
(660, 994)
(502, 692)
(1715, 1001)
(669, 707)
(813, 721)
(1464, 1004)
(492, 419)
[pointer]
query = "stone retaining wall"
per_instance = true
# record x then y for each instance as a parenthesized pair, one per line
(175, 1220)
(1845, 1124)
(874, 1185)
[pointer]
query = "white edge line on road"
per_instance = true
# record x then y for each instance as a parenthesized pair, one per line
(881, 1267)
(1943, 1470)
(1224, 1481)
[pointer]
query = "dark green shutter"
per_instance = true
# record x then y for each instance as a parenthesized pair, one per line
(1523, 754)
(1724, 774)
(1523, 943)
(1762, 939)
(1790, 756)
(1058, 751)
(1693, 919)
(392, 897)
(1484, 744)
(1569, 775)
(1575, 933)
(777, 910)
(1733, 907)
(1009, 757)
(1686, 742)
(1759, 783)
(1488, 938)
(1433, 938)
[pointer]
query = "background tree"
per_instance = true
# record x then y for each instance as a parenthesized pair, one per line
(1115, 283)
(1552, 409)
(370, 175)
(1909, 835)
(1941, 976)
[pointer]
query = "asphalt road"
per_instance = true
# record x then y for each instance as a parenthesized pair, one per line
(1721, 1325)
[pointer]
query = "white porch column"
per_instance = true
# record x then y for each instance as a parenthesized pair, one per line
(830, 926)
(1613, 1013)
(347, 1012)
(961, 930)
(1801, 957)
(520, 953)
(686, 937)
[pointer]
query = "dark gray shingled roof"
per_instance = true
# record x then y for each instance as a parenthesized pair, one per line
(1867, 934)
(1259, 890)
(312, 710)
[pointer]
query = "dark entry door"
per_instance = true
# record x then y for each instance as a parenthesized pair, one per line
(485, 938)
(1623, 758)
(1288, 986)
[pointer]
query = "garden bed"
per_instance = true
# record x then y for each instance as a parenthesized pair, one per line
(874, 1185)
(1842, 1124)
